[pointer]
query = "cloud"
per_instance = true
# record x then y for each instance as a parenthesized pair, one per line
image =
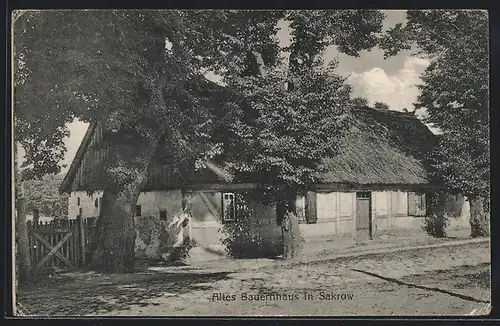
(397, 89)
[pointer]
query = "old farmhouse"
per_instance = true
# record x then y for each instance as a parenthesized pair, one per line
(377, 183)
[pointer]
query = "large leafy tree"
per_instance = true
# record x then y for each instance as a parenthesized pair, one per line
(44, 196)
(455, 94)
(299, 107)
(130, 71)
(138, 73)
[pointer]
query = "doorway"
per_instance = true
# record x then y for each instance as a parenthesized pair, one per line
(363, 216)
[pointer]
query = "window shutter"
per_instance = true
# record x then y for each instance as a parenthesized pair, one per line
(311, 208)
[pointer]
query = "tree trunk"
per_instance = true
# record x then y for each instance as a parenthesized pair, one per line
(292, 239)
(436, 221)
(22, 244)
(479, 218)
(114, 249)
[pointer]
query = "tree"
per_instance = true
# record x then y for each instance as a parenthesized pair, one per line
(381, 106)
(298, 109)
(359, 102)
(455, 94)
(114, 67)
(138, 74)
(44, 195)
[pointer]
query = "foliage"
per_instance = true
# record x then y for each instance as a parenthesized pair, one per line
(454, 91)
(436, 222)
(69, 73)
(289, 130)
(239, 240)
(110, 66)
(381, 106)
(139, 74)
(44, 195)
(293, 131)
(132, 72)
(359, 102)
(435, 225)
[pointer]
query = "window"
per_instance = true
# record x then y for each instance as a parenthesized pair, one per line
(399, 203)
(300, 208)
(163, 214)
(78, 201)
(228, 207)
(416, 204)
(96, 202)
(138, 210)
(80, 212)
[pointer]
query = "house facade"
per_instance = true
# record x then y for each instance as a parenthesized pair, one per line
(376, 184)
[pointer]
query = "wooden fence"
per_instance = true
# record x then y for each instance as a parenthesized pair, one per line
(63, 243)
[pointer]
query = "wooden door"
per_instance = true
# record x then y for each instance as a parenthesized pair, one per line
(412, 204)
(363, 216)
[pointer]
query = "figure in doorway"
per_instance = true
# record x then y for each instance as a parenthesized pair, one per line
(182, 226)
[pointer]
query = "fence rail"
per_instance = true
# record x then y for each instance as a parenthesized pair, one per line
(60, 243)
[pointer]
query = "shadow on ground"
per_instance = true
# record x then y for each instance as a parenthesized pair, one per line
(87, 293)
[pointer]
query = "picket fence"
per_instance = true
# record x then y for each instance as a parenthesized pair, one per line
(60, 243)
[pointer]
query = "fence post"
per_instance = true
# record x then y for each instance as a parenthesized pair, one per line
(36, 216)
(25, 271)
(81, 237)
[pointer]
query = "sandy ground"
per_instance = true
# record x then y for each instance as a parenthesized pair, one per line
(452, 280)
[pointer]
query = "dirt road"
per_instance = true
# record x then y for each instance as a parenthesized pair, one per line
(436, 281)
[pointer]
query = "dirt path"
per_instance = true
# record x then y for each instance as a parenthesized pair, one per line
(449, 280)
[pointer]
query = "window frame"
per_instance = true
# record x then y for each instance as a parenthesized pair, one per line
(420, 198)
(232, 196)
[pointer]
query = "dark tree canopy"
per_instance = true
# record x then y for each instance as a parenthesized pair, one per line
(359, 102)
(380, 106)
(139, 73)
(454, 89)
(455, 94)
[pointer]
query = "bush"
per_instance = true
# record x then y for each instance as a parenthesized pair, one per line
(239, 241)
(435, 225)
(179, 254)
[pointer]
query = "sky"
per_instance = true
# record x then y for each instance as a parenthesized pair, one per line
(392, 81)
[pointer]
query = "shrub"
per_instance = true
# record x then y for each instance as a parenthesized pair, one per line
(239, 241)
(435, 225)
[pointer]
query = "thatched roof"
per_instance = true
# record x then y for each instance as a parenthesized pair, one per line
(382, 147)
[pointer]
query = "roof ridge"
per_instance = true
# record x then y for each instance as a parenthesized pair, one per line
(387, 112)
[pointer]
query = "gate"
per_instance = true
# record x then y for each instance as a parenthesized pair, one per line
(59, 244)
